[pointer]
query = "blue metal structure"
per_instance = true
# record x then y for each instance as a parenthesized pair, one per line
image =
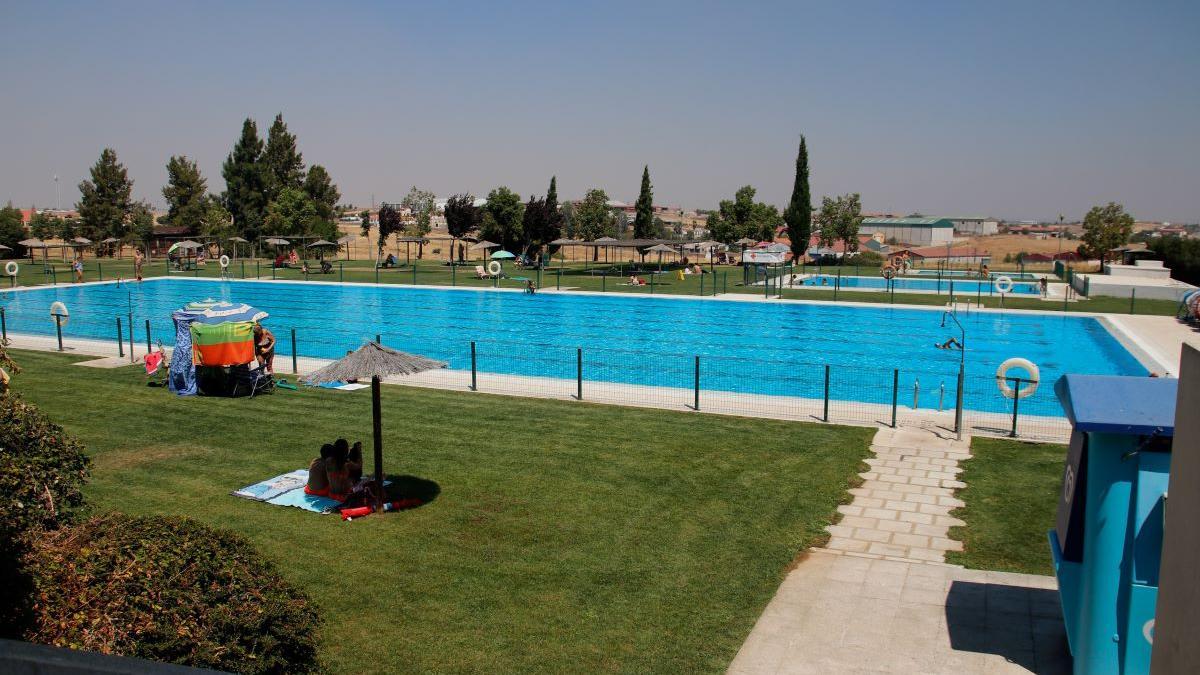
(1107, 542)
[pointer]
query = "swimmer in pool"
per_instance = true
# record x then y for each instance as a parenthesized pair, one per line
(952, 343)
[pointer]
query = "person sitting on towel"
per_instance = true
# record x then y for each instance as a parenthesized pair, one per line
(318, 476)
(339, 476)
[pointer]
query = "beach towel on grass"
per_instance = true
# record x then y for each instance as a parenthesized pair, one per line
(273, 487)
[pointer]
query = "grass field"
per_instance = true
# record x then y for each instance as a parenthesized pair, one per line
(727, 279)
(1011, 495)
(564, 536)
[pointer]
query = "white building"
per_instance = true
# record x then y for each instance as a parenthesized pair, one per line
(1146, 279)
(911, 231)
(976, 227)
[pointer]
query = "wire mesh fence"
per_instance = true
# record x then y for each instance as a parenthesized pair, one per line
(747, 386)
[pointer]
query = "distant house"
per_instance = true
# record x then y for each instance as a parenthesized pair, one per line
(1036, 258)
(976, 226)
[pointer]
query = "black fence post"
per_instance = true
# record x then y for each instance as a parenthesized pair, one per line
(58, 329)
(895, 393)
(958, 403)
(696, 387)
(120, 338)
(379, 339)
(294, 368)
(701, 284)
(1016, 399)
(414, 275)
(558, 281)
(243, 264)
(474, 383)
(453, 274)
(4, 327)
(149, 348)
(579, 373)
(257, 269)
(725, 282)
(100, 270)
(1132, 297)
(131, 337)
(825, 417)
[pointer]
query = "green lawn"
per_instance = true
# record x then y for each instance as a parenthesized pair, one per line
(566, 536)
(578, 276)
(1011, 496)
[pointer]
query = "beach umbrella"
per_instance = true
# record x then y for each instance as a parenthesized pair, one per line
(375, 361)
(321, 244)
(660, 249)
(502, 255)
(32, 244)
(213, 312)
(82, 240)
(346, 241)
(607, 243)
(484, 245)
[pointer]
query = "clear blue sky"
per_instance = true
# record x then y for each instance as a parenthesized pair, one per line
(1012, 109)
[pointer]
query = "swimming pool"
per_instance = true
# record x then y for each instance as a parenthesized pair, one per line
(965, 286)
(964, 273)
(747, 347)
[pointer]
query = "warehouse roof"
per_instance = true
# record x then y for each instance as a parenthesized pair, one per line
(909, 222)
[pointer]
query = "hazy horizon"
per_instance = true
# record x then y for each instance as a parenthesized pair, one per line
(1019, 111)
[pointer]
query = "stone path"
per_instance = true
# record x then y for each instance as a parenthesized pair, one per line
(901, 511)
(880, 598)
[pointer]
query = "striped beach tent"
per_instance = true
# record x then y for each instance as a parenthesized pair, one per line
(223, 333)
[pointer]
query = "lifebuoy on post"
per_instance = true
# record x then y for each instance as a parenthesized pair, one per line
(58, 311)
(1004, 284)
(224, 260)
(888, 273)
(11, 268)
(1002, 378)
(1193, 304)
(495, 268)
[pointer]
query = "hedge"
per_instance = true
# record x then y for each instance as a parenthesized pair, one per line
(167, 589)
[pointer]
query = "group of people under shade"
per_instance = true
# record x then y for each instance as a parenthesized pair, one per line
(337, 472)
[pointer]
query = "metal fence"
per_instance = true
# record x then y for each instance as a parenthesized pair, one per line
(747, 386)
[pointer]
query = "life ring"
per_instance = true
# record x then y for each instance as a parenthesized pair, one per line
(1004, 284)
(11, 268)
(58, 309)
(224, 260)
(495, 268)
(1002, 378)
(1194, 304)
(888, 273)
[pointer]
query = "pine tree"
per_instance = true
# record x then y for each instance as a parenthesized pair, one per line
(798, 214)
(321, 190)
(186, 194)
(285, 164)
(643, 221)
(245, 176)
(461, 217)
(105, 199)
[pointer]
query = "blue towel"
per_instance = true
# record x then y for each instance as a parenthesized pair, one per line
(302, 500)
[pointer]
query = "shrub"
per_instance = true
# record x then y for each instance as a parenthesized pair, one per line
(42, 470)
(167, 589)
(868, 259)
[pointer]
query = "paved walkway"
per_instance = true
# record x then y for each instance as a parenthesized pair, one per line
(880, 598)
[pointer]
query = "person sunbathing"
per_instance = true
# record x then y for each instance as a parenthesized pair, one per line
(339, 476)
(354, 463)
(318, 476)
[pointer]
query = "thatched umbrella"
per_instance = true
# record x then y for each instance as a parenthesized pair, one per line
(375, 361)
(321, 245)
(484, 246)
(31, 244)
(660, 249)
(345, 241)
(607, 243)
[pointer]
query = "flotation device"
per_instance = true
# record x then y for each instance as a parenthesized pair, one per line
(224, 260)
(11, 268)
(60, 310)
(358, 512)
(888, 273)
(1004, 284)
(494, 268)
(1002, 378)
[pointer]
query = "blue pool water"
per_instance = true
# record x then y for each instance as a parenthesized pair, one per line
(963, 273)
(966, 286)
(751, 347)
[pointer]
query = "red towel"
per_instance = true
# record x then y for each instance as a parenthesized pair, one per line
(153, 361)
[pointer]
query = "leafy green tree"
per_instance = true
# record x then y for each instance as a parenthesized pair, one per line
(364, 222)
(245, 174)
(420, 203)
(1181, 255)
(502, 214)
(461, 217)
(537, 227)
(552, 209)
(215, 221)
(593, 218)
(643, 222)
(798, 214)
(292, 213)
(186, 194)
(44, 226)
(567, 211)
(743, 217)
(141, 222)
(105, 199)
(1105, 228)
(12, 230)
(285, 164)
(840, 218)
(323, 193)
(389, 223)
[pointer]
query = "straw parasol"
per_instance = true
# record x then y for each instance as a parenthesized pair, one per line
(375, 361)
(483, 245)
(321, 244)
(660, 249)
(32, 244)
(346, 241)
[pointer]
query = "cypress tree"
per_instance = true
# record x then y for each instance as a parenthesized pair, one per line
(643, 221)
(285, 164)
(245, 176)
(798, 214)
(186, 193)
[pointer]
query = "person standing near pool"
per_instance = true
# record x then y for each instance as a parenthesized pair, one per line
(138, 260)
(77, 267)
(264, 348)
